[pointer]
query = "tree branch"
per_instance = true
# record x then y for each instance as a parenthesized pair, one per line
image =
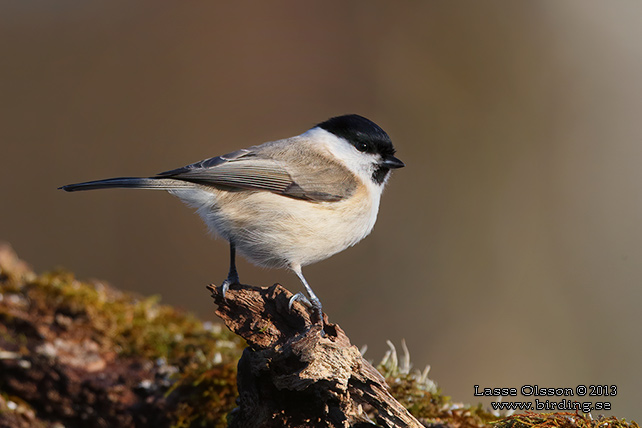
(291, 375)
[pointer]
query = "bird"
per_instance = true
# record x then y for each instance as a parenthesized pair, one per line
(286, 203)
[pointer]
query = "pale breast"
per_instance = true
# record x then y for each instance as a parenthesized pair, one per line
(276, 231)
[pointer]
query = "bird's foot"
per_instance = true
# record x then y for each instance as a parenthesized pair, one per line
(314, 305)
(301, 298)
(231, 280)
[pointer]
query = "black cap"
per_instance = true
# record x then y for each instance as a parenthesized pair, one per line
(368, 137)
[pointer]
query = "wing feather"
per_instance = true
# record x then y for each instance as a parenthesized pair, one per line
(260, 168)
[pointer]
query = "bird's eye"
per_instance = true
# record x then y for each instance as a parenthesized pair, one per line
(361, 146)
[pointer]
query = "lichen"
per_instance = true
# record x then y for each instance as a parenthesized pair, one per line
(423, 398)
(425, 401)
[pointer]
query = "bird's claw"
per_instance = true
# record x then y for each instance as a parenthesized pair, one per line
(301, 298)
(226, 285)
(314, 305)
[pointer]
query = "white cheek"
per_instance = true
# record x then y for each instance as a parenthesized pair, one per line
(361, 164)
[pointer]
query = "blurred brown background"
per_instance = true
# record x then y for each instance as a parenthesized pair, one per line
(509, 250)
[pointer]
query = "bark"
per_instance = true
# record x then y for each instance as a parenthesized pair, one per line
(292, 375)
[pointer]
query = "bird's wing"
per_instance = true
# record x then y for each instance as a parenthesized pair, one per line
(262, 168)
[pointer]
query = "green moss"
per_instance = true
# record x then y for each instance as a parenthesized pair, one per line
(431, 406)
(204, 386)
(16, 412)
(561, 420)
(203, 389)
(207, 396)
(130, 325)
(423, 398)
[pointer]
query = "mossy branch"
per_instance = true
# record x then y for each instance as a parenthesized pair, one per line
(83, 354)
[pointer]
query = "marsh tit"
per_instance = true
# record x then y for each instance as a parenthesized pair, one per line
(285, 203)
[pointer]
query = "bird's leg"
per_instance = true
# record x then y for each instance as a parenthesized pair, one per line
(314, 301)
(232, 276)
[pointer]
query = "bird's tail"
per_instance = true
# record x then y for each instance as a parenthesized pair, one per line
(129, 183)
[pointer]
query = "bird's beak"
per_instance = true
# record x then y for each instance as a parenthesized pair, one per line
(392, 162)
